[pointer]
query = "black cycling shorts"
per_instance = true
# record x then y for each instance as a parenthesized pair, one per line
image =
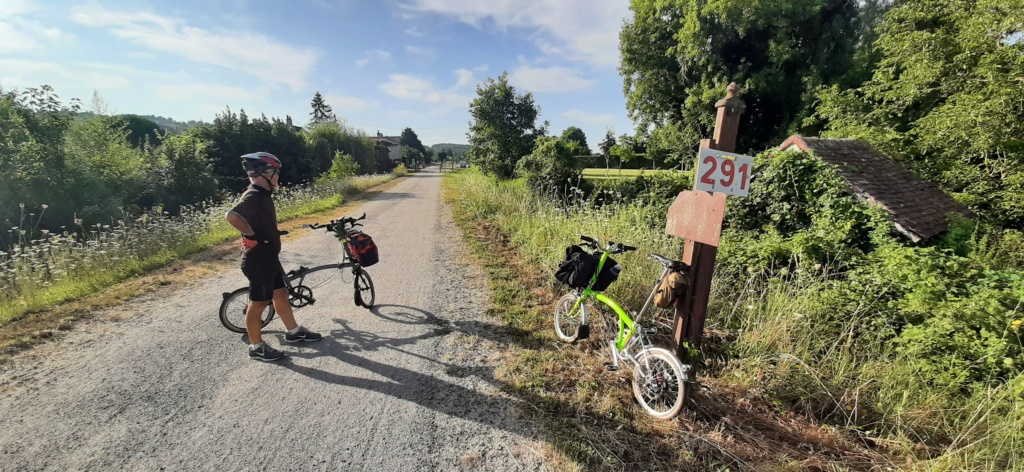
(265, 275)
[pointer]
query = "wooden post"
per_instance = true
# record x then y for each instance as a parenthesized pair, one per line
(691, 310)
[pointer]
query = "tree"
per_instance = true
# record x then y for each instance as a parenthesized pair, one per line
(322, 112)
(946, 99)
(503, 126)
(679, 55)
(550, 166)
(410, 139)
(606, 147)
(342, 166)
(575, 136)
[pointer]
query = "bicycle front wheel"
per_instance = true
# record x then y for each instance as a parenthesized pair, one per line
(232, 310)
(364, 294)
(569, 317)
(659, 383)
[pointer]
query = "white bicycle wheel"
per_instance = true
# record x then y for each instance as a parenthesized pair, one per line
(567, 319)
(659, 383)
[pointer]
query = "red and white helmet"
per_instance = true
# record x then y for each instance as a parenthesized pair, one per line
(260, 162)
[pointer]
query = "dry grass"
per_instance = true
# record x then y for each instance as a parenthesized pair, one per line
(590, 417)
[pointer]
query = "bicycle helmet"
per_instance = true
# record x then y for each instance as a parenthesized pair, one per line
(260, 162)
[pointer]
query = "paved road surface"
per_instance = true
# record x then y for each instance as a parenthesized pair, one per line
(407, 386)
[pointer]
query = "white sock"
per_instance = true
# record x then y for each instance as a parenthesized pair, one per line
(253, 347)
(295, 329)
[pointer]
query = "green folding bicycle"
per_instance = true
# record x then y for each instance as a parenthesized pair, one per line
(659, 378)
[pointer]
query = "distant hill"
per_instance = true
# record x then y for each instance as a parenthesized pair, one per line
(165, 124)
(457, 149)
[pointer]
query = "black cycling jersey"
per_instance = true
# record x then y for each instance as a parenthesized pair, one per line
(256, 207)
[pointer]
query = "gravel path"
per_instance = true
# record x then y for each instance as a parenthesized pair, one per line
(406, 386)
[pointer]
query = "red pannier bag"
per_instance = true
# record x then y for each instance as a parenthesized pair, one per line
(362, 247)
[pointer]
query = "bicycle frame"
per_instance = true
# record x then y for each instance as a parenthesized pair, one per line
(625, 339)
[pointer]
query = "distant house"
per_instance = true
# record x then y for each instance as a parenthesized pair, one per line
(394, 144)
(288, 121)
(917, 207)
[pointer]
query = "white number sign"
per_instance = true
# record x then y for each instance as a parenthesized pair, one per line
(723, 172)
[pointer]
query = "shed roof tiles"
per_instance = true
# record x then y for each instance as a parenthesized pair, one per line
(918, 207)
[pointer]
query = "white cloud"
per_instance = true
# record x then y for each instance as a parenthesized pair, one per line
(421, 53)
(253, 53)
(29, 73)
(602, 119)
(578, 30)
(465, 78)
(407, 87)
(14, 8)
(224, 92)
(375, 55)
(19, 34)
(342, 104)
(414, 32)
(549, 79)
(122, 69)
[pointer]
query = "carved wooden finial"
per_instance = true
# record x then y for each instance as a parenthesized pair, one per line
(730, 91)
(733, 105)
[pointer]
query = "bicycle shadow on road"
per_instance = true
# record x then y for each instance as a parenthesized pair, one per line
(429, 391)
(503, 335)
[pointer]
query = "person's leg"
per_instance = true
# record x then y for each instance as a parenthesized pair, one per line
(261, 288)
(254, 320)
(283, 309)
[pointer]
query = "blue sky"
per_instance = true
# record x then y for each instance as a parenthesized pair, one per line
(381, 64)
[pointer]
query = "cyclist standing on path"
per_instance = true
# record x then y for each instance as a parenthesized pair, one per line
(256, 218)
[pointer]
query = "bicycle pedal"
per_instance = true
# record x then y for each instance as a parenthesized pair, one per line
(611, 367)
(649, 331)
(583, 332)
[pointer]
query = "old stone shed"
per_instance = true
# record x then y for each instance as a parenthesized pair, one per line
(917, 207)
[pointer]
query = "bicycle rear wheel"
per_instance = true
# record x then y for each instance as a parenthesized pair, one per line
(569, 317)
(660, 386)
(364, 293)
(232, 310)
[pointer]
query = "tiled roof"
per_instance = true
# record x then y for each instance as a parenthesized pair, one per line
(918, 207)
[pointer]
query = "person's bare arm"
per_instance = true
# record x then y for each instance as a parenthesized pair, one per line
(239, 223)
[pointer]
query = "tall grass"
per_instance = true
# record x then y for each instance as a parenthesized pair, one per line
(43, 268)
(541, 230)
(784, 340)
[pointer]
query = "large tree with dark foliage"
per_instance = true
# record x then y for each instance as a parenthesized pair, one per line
(679, 55)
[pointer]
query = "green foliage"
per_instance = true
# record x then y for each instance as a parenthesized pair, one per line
(550, 167)
(658, 189)
(342, 166)
(578, 139)
(183, 172)
(945, 100)
(679, 55)
(503, 128)
(140, 130)
(410, 139)
(411, 155)
(669, 146)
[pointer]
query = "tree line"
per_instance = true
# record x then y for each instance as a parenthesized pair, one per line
(935, 84)
(62, 169)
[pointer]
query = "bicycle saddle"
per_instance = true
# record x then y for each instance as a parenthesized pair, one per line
(670, 264)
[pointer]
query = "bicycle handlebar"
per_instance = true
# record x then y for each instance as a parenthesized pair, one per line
(346, 222)
(613, 247)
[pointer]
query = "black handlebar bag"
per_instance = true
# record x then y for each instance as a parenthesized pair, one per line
(609, 273)
(577, 268)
